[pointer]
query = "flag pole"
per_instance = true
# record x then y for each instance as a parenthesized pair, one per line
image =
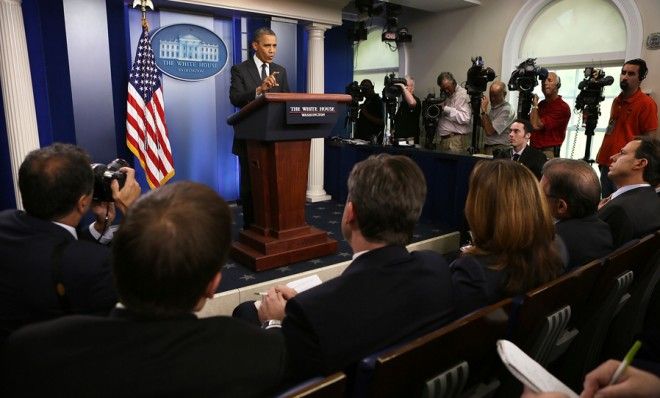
(144, 4)
(146, 130)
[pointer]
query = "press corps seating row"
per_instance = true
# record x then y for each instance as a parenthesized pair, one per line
(564, 325)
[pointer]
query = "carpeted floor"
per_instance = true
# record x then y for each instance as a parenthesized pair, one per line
(323, 215)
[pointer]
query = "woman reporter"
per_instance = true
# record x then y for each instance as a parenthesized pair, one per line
(513, 245)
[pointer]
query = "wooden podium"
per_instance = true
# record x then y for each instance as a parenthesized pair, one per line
(277, 128)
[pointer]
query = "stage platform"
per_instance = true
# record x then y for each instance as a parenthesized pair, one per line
(322, 215)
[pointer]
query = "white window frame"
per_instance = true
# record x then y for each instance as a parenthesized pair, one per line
(525, 16)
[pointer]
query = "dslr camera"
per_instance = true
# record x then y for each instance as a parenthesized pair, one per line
(478, 76)
(591, 88)
(527, 76)
(103, 176)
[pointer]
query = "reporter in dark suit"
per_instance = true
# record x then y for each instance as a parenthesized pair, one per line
(167, 257)
(386, 295)
(633, 210)
(250, 79)
(519, 133)
(572, 190)
(48, 267)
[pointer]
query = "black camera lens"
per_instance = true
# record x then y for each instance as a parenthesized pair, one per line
(103, 176)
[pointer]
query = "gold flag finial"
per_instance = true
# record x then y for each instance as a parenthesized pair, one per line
(144, 4)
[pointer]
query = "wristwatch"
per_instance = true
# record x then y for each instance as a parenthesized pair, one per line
(271, 323)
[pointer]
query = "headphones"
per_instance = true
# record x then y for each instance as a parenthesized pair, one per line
(558, 81)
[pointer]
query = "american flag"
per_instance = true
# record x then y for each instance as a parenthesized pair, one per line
(146, 132)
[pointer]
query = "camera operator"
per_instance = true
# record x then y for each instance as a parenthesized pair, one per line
(453, 129)
(496, 122)
(49, 268)
(369, 125)
(549, 118)
(406, 120)
(633, 113)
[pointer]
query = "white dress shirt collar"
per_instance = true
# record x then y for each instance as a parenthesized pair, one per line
(626, 189)
(69, 228)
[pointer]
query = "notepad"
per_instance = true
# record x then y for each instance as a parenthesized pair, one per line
(528, 371)
(299, 285)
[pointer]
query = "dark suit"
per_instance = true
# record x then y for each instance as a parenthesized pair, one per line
(530, 157)
(245, 78)
(586, 239)
(632, 214)
(121, 356)
(475, 283)
(27, 286)
(385, 296)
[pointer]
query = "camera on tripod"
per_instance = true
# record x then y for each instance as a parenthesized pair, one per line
(391, 92)
(103, 177)
(478, 76)
(431, 111)
(355, 91)
(591, 88)
(527, 76)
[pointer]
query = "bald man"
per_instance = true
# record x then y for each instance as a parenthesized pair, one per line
(549, 118)
(496, 122)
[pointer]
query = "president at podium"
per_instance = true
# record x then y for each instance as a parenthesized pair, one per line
(250, 79)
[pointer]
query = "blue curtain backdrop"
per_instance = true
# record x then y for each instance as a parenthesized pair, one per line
(80, 73)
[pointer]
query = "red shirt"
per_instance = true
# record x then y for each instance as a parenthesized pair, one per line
(635, 115)
(554, 116)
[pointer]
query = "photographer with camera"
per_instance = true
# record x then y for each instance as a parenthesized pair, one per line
(49, 268)
(633, 113)
(496, 122)
(549, 118)
(406, 119)
(369, 125)
(453, 129)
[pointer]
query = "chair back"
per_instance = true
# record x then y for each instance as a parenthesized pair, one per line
(319, 387)
(613, 285)
(543, 325)
(455, 360)
(632, 308)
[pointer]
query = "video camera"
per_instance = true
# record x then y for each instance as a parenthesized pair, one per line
(591, 88)
(588, 102)
(391, 92)
(431, 111)
(103, 176)
(478, 77)
(355, 91)
(527, 76)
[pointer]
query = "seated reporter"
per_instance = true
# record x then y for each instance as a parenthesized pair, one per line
(166, 262)
(572, 190)
(49, 268)
(386, 295)
(513, 246)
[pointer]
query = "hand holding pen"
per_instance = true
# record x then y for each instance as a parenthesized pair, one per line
(618, 379)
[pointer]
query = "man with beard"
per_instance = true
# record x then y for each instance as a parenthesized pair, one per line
(633, 113)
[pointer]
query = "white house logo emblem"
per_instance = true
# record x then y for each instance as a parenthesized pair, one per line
(188, 52)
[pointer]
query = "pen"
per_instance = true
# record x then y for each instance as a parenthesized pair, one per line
(626, 362)
(261, 294)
